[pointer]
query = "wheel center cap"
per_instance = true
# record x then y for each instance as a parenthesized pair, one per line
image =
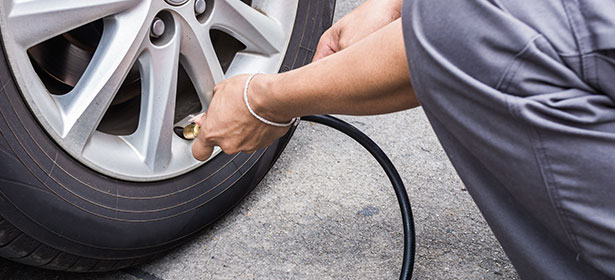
(177, 2)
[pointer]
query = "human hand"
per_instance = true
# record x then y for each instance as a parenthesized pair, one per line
(358, 24)
(228, 123)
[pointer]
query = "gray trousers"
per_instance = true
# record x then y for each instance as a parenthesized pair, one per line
(521, 94)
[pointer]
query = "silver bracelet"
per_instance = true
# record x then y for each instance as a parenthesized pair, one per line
(245, 98)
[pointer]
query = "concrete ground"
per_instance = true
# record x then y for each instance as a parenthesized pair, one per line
(326, 211)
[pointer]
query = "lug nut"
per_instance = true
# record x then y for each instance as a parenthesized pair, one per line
(158, 28)
(199, 7)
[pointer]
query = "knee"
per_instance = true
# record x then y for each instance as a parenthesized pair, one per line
(474, 39)
(433, 21)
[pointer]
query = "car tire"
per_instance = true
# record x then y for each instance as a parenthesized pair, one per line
(57, 213)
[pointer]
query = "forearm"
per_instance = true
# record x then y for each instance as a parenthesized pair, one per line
(370, 77)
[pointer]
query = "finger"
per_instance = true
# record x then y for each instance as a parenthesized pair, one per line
(324, 46)
(198, 119)
(327, 51)
(202, 151)
(251, 151)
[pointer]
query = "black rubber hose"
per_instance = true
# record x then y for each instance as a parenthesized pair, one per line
(391, 171)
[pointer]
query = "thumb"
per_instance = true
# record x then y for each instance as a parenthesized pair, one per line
(198, 119)
(201, 149)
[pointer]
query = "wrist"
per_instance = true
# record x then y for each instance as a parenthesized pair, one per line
(266, 100)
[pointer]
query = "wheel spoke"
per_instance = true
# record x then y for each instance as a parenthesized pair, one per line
(32, 22)
(154, 135)
(201, 63)
(85, 105)
(258, 32)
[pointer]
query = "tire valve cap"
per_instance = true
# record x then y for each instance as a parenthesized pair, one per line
(191, 131)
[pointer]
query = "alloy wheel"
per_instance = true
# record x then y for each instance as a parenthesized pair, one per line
(111, 80)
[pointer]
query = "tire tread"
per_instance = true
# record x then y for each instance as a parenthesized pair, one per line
(18, 246)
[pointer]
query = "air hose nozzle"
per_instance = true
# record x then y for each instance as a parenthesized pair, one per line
(191, 131)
